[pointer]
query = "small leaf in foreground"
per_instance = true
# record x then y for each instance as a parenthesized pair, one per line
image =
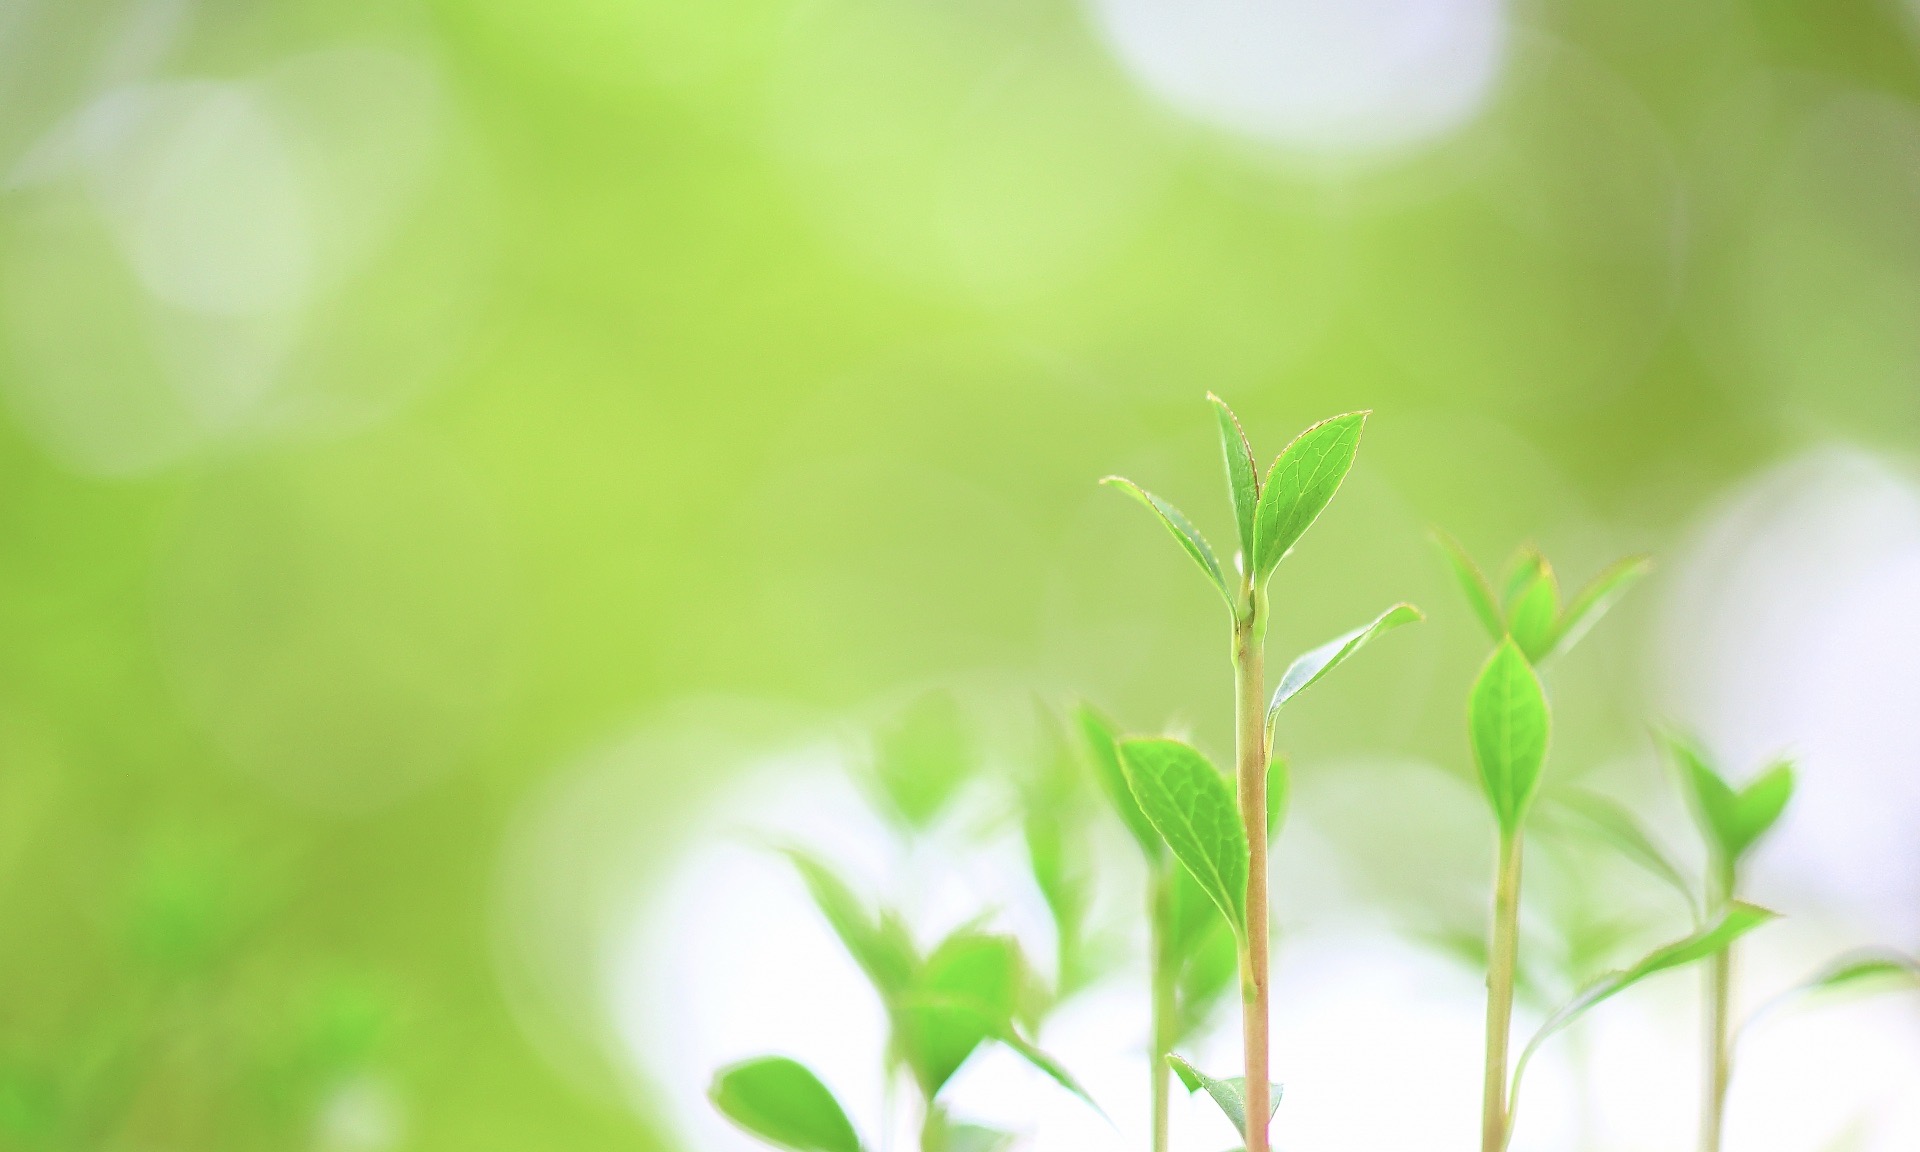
(1299, 486)
(1508, 725)
(783, 1103)
(1189, 803)
(1307, 670)
(1230, 1095)
(1183, 531)
(1243, 479)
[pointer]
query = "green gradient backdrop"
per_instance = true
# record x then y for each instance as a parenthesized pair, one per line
(790, 338)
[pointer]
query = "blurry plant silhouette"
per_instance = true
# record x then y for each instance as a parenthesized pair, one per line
(177, 1048)
(971, 988)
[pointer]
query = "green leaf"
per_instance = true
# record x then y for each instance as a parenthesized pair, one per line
(1189, 803)
(1615, 826)
(967, 994)
(1103, 750)
(1243, 478)
(1047, 1064)
(1863, 967)
(1307, 670)
(1230, 1095)
(1300, 485)
(969, 1138)
(1592, 602)
(1183, 530)
(1534, 609)
(1524, 568)
(923, 757)
(1053, 824)
(1508, 721)
(1473, 584)
(1733, 820)
(881, 946)
(783, 1103)
(1741, 918)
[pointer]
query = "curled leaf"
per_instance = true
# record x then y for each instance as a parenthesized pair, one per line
(1229, 1094)
(1307, 670)
(1183, 531)
(1243, 478)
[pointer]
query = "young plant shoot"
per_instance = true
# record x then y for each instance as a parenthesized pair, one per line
(1508, 725)
(1731, 820)
(1217, 832)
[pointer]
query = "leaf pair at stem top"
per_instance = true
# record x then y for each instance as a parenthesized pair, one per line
(1269, 516)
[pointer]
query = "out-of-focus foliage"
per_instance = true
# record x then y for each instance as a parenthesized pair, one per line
(400, 397)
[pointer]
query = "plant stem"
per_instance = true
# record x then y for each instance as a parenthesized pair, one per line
(1160, 916)
(1719, 1048)
(1502, 958)
(1251, 747)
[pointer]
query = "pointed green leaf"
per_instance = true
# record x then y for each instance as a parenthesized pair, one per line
(881, 946)
(1616, 827)
(968, 992)
(1858, 968)
(1741, 918)
(1300, 485)
(1243, 477)
(1103, 750)
(783, 1103)
(1307, 670)
(1593, 601)
(1183, 531)
(923, 757)
(1733, 820)
(1230, 1095)
(1189, 803)
(971, 1138)
(1032, 1054)
(1524, 567)
(1508, 722)
(1534, 609)
(1473, 584)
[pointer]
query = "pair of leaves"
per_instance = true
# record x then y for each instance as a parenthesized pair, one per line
(1528, 607)
(1733, 820)
(1230, 1094)
(782, 1102)
(923, 757)
(1269, 517)
(1508, 725)
(1740, 919)
(968, 991)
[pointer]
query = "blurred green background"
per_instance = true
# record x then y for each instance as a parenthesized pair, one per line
(403, 400)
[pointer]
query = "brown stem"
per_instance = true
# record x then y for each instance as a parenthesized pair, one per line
(1251, 748)
(1502, 958)
(1160, 914)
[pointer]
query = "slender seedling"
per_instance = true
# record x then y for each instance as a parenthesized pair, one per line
(1217, 833)
(1508, 724)
(1732, 820)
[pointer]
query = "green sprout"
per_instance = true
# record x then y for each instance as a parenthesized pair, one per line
(1217, 832)
(1509, 724)
(971, 989)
